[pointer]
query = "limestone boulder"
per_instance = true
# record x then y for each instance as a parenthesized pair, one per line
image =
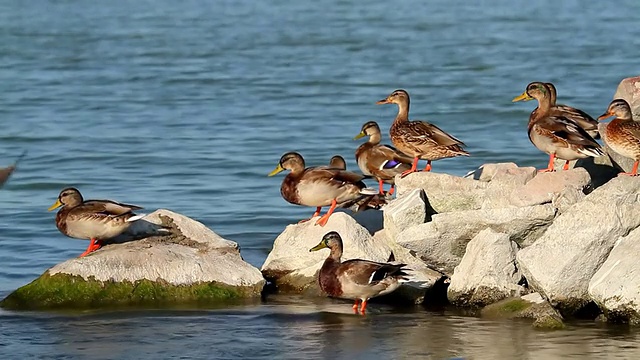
(292, 268)
(405, 212)
(442, 241)
(445, 193)
(545, 187)
(530, 306)
(614, 287)
(563, 260)
(185, 263)
(487, 272)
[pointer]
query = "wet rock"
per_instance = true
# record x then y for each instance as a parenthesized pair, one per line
(293, 268)
(544, 316)
(487, 272)
(190, 263)
(614, 287)
(562, 261)
(404, 212)
(443, 241)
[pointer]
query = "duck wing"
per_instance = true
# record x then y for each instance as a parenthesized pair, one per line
(369, 273)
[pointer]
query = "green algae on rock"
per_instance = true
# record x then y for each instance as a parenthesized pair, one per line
(545, 317)
(63, 291)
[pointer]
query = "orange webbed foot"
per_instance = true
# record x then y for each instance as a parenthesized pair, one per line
(93, 246)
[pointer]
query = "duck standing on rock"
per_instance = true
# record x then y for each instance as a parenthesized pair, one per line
(378, 160)
(356, 279)
(94, 220)
(556, 134)
(419, 139)
(323, 186)
(622, 134)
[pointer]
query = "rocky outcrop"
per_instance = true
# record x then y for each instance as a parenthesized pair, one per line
(487, 272)
(292, 268)
(614, 287)
(562, 261)
(187, 262)
(443, 241)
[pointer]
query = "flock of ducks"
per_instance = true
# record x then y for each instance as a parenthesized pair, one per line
(561, 131)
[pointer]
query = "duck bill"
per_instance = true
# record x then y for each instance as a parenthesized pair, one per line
(277, 170)
(359, 136)
(383, 101)
(56, 205)
(605, 116)
(522, 97)
(320, 246)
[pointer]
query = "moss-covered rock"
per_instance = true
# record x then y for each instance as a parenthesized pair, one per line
(543, 314)
(64, 291)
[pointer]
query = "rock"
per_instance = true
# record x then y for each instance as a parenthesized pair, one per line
(292, 268)
(503, 172)
(487, 272)
(629, 90)
(445, 193)
(443, 241)
(404, 212)
(563, 260)
(614, 287)
(544, 315)
(191, 263)
(545, 187)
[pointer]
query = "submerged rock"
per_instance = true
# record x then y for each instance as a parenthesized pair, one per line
(487, 272)
(563, 260)
(190, 263)
(292, 268)
(614, 287)
(531, 306)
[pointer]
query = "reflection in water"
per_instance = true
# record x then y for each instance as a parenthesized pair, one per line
(296, 328)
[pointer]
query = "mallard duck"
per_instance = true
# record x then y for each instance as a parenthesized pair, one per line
(378, 160)
(584, 120)
(419, 139)
(337, 162)
(93, 220)
(622, 134)
(356, 279)
(556, 135)
(320, 186)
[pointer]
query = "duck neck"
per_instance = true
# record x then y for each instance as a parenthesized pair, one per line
(336, 253)
(374, 138)
(403, 110)
(544, 105)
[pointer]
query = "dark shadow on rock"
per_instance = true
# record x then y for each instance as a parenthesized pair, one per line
(5, 173)
(142, 229)
(600, 174)
(429, 210)
(436, 296)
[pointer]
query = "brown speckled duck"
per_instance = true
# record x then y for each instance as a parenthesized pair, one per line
(556, 135)
(321, 186)
(584, 120)
(622, 134)
(338, 162)
(419, 139)
(356, 279)
(378, 160)
(94, 220)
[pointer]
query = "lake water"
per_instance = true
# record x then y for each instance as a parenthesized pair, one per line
(188, 105)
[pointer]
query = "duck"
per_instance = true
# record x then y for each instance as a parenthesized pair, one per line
(380, 161)
(322, 186)
(93, 220)
(622, 134)
(584, 120)
(338, 162)
(555, 134)
(356, 279)
(6, 172)
(419, 139)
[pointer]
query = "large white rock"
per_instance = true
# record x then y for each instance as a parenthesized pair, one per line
(191, 254)
(293, 268)
(546, 187)
(487, 272)
(445, 192)
(442, 241)
(405, 212)
(563, 260)
(615, 287)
